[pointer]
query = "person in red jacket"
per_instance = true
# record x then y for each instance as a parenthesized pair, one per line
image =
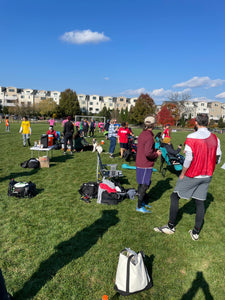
(146, 156)
(202, 152)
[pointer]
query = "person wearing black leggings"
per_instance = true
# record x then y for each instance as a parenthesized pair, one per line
(202, 150)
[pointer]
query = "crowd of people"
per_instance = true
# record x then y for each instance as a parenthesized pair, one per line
(197, 170)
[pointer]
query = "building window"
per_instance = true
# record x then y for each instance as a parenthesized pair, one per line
(11, 90)
(91, 103)
(94, 98)
(121, 99)
(43, 98)
(83, 102)
(22, 97)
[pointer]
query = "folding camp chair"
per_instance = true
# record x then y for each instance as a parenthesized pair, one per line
(106, 170)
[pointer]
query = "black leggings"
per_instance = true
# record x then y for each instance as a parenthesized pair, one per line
(174, 207)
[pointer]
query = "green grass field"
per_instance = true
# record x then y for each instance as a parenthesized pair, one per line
(55, 246)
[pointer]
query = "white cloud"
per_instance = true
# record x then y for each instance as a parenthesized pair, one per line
(199, 99)
(134, 92)
(165, 93)
(200, 81)
(106, 78)
(160, 92)
(84, 37)
(220, 96)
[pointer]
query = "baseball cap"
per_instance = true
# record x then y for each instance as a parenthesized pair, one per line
(149, 120)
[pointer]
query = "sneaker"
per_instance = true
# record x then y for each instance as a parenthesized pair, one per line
(143, 210)
(195, 236)
(71, 152)
(165, 229)
(146, 205)
(64, 153)
(111, 156)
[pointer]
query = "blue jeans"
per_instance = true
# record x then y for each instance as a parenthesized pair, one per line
(112, 145)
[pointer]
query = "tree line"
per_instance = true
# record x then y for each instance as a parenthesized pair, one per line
(145, 105)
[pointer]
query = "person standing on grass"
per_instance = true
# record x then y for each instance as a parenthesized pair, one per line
(7, 126)
(123, 138)
(68, 134)
(146, 156)
(92, 128)
(51, 122)
(166, 132)
(202, 150)
(113, 129)
(25, 129)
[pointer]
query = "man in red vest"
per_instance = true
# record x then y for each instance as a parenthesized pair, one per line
(202, 152)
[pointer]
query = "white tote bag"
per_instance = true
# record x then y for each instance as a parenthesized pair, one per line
(132, 275)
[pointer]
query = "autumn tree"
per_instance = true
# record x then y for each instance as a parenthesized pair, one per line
(68, 104)
(191, 123)
(47, 107)
(173, 108)
(164, 116)
(144, 106)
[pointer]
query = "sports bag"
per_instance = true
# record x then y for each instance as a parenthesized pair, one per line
(131, 275)
(89, 189)
(32, 163)
(22, 189)
(110, 198)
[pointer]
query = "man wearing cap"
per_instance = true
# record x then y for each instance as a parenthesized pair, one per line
(146, 156)
(202, 152)
(68, 134)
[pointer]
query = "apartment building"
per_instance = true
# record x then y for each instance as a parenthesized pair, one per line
(12, 96)
(215, 110)
(121, 103)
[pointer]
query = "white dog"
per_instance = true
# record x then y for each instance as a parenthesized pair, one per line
(97, 146)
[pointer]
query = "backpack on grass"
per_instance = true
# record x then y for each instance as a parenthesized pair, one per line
(22, 189)
(32, 163)
(89, 189)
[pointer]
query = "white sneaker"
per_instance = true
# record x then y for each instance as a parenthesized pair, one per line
(165, 229)
(195, 236)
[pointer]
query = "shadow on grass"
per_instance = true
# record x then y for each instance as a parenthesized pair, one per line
(19, 174)
(66, 252)
(61, 158)
(159, 189)
(198, 283)
(149, 264)
(190, 208)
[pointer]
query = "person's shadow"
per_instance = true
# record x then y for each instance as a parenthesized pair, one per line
(198, 283)
(67, 251)
(19, 174)
(190, 208)
(159, 189)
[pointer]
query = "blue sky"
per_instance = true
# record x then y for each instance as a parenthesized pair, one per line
(115, 48)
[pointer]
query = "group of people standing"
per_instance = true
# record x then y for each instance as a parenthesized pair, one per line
(202, 152)
(120, 134)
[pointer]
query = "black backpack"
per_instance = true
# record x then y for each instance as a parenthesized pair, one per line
(90, 189)
(32, 163)
(111, 198)
(22, 189)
